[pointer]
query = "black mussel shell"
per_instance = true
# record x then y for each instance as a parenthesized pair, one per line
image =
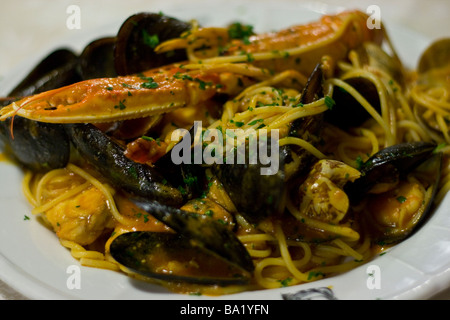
(148, 253)
(430, 172)
(207, 233)
(109, 159)
(37, 145)
(389, 163)
(308, 128)
(190, 176)
(137, 38)
(347, 111)
(255, 195)
(97, 59)
(314, 86)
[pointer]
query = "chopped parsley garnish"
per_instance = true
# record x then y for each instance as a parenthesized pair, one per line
(133, 172)
(315, 274)
(203, 84)
(401, 199)
(439, 147)
(209, 213)
(150, 40)
(329, 102)
(359, 163)
(149, 84)
(121, 105)
(239, 31)
(285, 282)
(157, 140)
(255, 122)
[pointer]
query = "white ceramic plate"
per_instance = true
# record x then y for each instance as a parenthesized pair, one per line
(34, 263)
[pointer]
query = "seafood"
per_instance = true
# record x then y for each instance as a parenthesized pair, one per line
(369, 56)
(128, 97)
(206, 223)
(171, 257)
(206, 232)
(155, 92)
(37, 145)
(346, 104)
(297, 48)
(260, 196)
(149, 190)
(383, 169)
(430, 93)
(435, 56)
(97, 59)
(109, 159)
(85, 217)
(137, 38)
(397, 205)
(308, 128)
(321, 193)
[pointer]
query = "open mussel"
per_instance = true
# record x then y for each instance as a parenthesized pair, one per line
(205, 232)
(171, 257)
(204, 250)
(386, 167)
(399, 184)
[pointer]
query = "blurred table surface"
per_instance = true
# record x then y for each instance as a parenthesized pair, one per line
(33, 26)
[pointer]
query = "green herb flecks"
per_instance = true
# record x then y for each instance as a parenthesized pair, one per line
(149, 83)
(329, 102)
(150, 40)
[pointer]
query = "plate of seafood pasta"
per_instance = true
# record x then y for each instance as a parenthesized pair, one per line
(272, 152)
